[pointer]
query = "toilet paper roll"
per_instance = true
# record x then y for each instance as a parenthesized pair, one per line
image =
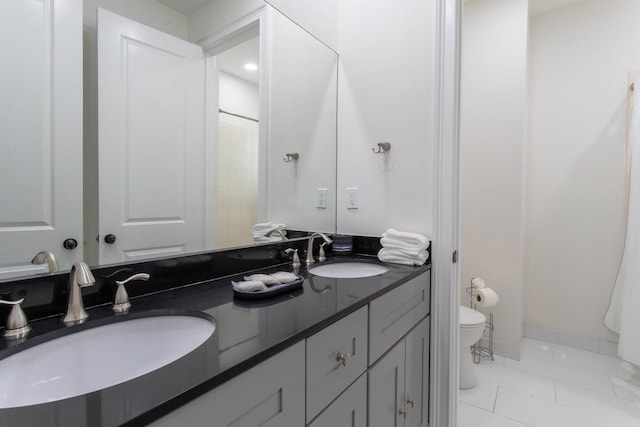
(478, 283)
(486, 297)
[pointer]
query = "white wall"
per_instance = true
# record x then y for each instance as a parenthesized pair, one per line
(148, 12)
(239, 96)
(302, 119)
(492, 145)
(386, 93)
(317, 17)
(580, 58)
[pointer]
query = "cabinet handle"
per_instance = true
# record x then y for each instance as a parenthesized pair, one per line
(403, 412)
(412, 403)
(345, 358)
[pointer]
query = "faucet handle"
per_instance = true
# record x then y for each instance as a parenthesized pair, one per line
(17, 326)
(121, 303)
(295, 259)
(321, 255)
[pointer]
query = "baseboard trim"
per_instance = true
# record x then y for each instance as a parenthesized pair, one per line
(608, 348)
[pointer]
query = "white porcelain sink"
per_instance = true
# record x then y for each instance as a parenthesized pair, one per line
(97, 358)
(348, 270)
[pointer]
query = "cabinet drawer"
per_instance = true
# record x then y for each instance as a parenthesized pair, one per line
(327, 376)
(392, 315)
(267, 395)
(350, 409)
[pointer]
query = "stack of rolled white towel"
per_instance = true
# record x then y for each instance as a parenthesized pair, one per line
(402, 247)
(268, 232)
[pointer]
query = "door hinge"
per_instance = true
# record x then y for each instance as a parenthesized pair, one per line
(455, 257)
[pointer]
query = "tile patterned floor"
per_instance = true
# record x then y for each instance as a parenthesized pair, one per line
(552, 385)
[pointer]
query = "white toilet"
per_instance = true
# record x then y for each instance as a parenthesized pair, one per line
(471, 329)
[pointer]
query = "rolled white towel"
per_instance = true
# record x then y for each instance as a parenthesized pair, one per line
(262, 229)
(284, 277)
(389, 243)
(266, 239)
(264, 278)
(249, 286)
(404, 240)
(262, 226)
(403, 257)
(266, 226)
(411, 252)
(421, 255)
(398, 260)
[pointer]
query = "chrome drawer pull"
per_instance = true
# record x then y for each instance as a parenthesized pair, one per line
(403, 412)
(412, 403)
(345, 358)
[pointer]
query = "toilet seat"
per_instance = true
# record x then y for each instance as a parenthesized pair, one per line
(470, 318)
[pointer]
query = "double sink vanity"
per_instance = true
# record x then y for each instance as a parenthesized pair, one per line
(351, 344)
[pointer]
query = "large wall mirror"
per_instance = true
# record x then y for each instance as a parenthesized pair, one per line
(131, 129)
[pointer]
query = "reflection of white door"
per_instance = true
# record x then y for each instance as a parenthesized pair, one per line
(41, 131)
(151, 141)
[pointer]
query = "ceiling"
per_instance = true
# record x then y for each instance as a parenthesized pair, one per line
(537, 7)
(186, 7)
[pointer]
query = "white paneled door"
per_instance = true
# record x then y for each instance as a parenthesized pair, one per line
(151, 142)
(40, 132)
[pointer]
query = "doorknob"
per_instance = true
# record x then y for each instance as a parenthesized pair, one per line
(110, 239)
(70, 244)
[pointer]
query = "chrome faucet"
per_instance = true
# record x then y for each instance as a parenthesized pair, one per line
(279, 231)
(46, 256)
(79, 277)
(309, 259)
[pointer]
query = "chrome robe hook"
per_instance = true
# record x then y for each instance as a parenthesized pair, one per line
(291, 157)
(383, 147)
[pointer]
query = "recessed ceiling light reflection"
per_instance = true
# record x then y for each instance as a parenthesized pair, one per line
(250, 67)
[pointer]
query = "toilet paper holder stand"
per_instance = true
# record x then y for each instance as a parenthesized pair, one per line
(478, 350)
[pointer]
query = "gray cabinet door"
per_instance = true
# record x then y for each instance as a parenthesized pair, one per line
(269, 394)
(386, 389)
(348, 410)
(416, 396)
(394, 314)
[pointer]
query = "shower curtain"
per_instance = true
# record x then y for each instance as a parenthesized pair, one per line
(623, 315)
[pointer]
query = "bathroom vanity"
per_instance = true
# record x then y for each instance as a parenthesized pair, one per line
(309, 357)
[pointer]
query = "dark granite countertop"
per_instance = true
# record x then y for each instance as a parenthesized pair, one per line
(247, 332)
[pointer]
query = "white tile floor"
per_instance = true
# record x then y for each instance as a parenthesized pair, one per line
(552, 385)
